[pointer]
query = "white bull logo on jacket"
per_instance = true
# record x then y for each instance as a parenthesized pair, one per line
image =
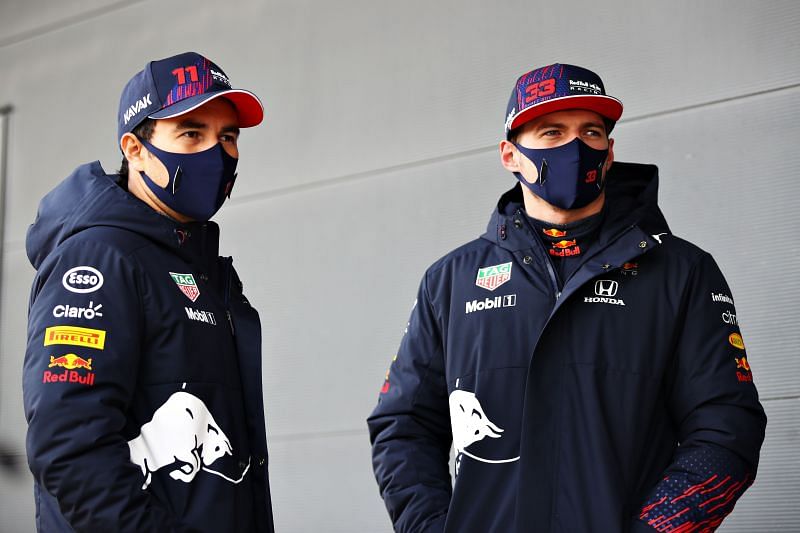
(182, 433)
(470, 425)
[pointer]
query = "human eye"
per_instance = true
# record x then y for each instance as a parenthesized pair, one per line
(228, 138)
(191, 134)
(551, 133)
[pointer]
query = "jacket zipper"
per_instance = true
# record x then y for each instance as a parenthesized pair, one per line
(540, 247)
(227, 292)
(553, 279)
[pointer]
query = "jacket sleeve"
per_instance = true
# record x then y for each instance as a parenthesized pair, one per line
(715, 405)
(410, 428)
(83, 351)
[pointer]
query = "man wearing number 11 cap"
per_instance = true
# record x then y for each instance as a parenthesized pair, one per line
(142, 374)
(576, 356)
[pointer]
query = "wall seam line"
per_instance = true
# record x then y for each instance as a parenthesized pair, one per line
(65, 23)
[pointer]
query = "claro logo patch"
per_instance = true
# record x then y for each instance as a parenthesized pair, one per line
(82, 279)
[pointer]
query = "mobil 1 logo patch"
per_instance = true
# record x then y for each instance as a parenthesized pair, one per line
(509, 300)
(82, 279)
(201, 316)
(605, 292)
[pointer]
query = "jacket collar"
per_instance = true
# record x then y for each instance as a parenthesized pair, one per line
(631, 201)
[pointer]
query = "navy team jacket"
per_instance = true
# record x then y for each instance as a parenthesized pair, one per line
(142, 374)
(623, 402)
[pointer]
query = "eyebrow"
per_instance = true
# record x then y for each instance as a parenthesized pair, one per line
(191, 124)
(588, 124)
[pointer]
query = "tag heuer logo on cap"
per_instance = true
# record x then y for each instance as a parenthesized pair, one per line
(187, 285)
(492, 277)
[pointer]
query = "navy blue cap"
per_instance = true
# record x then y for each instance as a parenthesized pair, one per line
(176, 85)
(555, 88)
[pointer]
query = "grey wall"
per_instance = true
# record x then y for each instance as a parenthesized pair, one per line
(378, 155)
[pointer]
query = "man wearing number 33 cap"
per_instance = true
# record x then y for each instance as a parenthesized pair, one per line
(584, 363)
(142, 374)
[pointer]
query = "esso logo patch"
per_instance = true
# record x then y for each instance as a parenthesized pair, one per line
(82, 279)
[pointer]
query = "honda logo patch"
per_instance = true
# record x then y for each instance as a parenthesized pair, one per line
(606, 287)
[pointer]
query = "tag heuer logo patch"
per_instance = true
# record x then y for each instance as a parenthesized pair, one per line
(492, 277)
(187, 285)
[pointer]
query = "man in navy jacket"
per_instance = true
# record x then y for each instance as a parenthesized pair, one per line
(142, 374)
(585, 364)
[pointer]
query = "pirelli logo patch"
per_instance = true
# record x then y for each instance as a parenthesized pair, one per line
(75, 336)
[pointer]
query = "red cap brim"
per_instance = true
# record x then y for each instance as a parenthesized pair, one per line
(248, 106)
(606, 106)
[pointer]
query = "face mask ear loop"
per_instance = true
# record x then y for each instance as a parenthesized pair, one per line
(602, 181)
(230, 186)
(543, 172)
(176, 180)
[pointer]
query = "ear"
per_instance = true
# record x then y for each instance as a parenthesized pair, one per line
(508, 156)
(133, 150)
(610, 158)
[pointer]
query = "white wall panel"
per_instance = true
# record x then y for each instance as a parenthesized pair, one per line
(770, 506)
(16, 482)
(325, 484)
(358, 85)
(21, 19)
(16, 500)
(16, 284)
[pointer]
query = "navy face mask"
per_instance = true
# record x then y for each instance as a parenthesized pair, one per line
(198, 183)
(570, 176)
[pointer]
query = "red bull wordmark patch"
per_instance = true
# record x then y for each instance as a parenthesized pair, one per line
(68, 376)
(491, 277)
(71, 363)
(186, 284)
(565, 248)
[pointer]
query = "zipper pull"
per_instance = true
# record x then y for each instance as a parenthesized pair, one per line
(230, 322)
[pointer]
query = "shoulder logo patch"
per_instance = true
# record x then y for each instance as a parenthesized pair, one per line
(187, 285)
(736, 341)
(491, 277)
(75, 336)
